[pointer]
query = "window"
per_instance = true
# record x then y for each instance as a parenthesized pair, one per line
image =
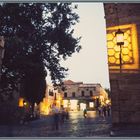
(65, 94)
(82, 93)
(91, 93)
(50, 93)
(73, 94)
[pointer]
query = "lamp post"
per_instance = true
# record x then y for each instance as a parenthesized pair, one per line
(120, 41)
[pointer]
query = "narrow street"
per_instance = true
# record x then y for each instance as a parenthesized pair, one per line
(76, 126)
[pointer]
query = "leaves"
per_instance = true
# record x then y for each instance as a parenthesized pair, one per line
(38, 36)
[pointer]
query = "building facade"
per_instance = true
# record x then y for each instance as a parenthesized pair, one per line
(124, 80)
(52, 96)
(78, 95)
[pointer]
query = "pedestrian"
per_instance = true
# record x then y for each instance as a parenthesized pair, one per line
(67, 114)
(99, 111)
(108, 110)
(104, 111)
(55, 114)
(85, 113)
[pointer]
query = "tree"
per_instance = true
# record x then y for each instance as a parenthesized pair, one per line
(34, 82)
(40, 31)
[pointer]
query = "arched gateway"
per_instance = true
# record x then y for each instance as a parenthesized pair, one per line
(124, 76)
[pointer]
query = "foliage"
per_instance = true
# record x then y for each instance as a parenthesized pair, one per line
(38, 36)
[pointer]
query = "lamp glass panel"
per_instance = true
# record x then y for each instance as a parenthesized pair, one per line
(120, 38)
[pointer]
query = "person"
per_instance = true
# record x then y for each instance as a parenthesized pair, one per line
(108, 110)
(85, 113)
(100, 111)
(55, 113)
(104, 111)
(66, 114)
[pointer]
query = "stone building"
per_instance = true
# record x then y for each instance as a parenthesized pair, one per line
(52, 96)
(79, 95)
(125, 83)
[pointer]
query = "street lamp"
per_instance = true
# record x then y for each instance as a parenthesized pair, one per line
(120, 41)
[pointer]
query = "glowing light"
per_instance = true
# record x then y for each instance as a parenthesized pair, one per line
(25, 103)
(65, 103)
(107, 101)
(82, 106)
(91, 104)
(73, 104)
(101, 98)
(45, 108)
(20, 103)
(112, 59)
(111, 52)
(130, 53)
(125, 51)
(119, 37)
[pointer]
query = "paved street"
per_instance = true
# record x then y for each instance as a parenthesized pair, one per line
(76, 126)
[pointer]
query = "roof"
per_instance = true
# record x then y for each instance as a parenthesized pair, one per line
(88, 85)
(70, 82)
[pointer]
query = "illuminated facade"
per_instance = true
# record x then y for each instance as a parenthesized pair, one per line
(78, 96)
(52, 96)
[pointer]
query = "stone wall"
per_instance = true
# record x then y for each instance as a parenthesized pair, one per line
(125, 87)
(125, 97)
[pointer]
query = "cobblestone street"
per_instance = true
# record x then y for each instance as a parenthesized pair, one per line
(76, 126)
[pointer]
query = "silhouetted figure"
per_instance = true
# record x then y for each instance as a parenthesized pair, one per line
(66, 114)
(85, 113)
(108, 108)
(104, 111)
(100, 111)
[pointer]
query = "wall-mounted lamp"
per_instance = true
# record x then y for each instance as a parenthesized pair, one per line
(120, 41)
(119, 37)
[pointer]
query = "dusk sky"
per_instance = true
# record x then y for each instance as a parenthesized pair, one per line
(90, 64)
